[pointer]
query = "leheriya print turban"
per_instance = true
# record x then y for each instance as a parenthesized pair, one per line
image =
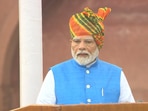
(89, 23)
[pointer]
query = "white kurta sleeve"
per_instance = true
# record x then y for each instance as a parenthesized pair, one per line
(125, 91)
(47, 91)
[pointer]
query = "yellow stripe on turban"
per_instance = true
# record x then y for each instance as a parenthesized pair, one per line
(89, 23)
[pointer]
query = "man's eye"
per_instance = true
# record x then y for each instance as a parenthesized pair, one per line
(76, 41)
(89, 41)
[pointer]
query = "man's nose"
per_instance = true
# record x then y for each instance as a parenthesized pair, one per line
(82, 45)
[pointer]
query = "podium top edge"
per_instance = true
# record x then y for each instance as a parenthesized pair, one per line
(55, 105)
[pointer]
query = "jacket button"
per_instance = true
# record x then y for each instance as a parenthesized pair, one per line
(87, 71)
(88, 100)
(87, 86)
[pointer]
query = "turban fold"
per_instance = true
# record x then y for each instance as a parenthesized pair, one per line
(89, 23)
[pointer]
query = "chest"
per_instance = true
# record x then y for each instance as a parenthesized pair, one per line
(86, 85)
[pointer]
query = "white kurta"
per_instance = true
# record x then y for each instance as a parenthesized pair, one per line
(47, 92)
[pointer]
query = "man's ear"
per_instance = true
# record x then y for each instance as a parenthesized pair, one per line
(70, 40)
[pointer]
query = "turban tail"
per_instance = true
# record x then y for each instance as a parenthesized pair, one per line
(89, 23)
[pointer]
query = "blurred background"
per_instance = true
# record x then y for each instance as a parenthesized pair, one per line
(125, 42)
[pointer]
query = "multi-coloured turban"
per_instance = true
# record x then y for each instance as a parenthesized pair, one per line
(89, 23)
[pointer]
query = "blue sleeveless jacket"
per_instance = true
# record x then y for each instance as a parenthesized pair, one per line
(76, 84)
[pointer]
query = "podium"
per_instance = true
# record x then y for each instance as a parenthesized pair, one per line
(87, 107)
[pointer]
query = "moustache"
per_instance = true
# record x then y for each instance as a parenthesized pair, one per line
(82, 52)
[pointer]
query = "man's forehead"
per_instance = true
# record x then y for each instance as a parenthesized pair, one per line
(83, 37)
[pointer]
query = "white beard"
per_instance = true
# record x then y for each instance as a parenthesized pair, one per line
(85, 60)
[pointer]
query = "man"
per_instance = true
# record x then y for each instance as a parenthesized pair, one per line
(85, 79)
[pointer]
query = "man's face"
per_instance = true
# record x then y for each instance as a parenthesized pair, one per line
(84, 49)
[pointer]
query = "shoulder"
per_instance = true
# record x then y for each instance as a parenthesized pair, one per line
(106, 64)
